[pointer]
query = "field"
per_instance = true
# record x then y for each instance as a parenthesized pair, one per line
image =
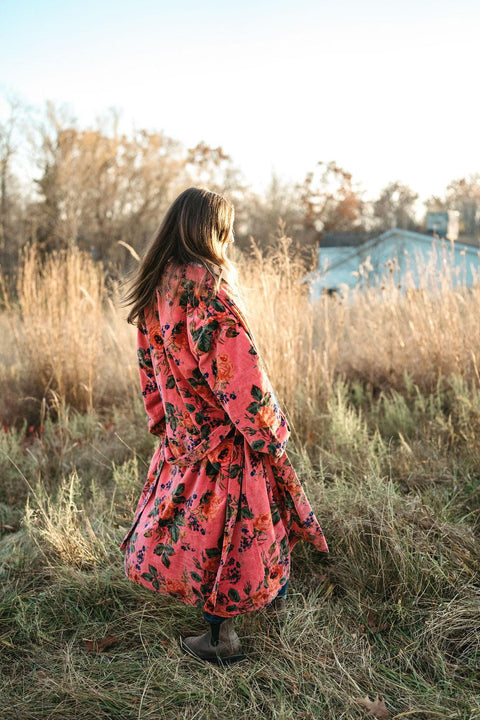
(383, 394)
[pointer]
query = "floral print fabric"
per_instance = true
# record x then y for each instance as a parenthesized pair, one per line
(222, 505)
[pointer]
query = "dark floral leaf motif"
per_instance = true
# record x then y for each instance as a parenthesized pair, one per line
(205, 498)
(144, 359)
(153, 570)
(258, 444)
(159, 549)
(231, 608)
(199, 417)
(175, 533)
(178, 499)
(252, 351)
(164, 522)
(195, 576)
(275, 515)
(231, 332)
(204, 342)
(217, 305)
(256, 393)
(197, 592)
(284, 546)
(147, 577)
(169, 550)
(197, 378)
(179, 489)
(246, 513)
(212, 469)
(169, 410)
(178, 328)
(272, 448)
(170, 384)
(253, 408)
(234, 470)
(190, 407)
(205, 431)
(234, 595)
(196, 333)
(212, 552)
(155, 584)
(166, 560)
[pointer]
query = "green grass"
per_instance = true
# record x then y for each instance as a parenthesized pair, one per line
(393, 611)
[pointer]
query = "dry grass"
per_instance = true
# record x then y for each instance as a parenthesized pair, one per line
(383, 394)
(68, 340)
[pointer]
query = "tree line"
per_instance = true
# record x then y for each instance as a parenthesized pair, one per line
(99, 188)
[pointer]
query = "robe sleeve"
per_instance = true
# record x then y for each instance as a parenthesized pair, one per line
(230, 364)
(150, 392)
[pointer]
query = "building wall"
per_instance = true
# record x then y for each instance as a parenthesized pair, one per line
(409, 259)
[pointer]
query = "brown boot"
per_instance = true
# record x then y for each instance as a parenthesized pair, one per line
(220, 644)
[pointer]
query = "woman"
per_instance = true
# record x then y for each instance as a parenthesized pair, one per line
(222, 506)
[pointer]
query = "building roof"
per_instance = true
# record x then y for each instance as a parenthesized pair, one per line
(345, 239)
(374, 242)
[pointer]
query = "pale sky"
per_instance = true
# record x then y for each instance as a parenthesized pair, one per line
(387, 89)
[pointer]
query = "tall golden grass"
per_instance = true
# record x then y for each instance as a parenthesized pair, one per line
(68, 341)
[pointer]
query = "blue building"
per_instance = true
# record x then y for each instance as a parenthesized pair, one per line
(400, 256)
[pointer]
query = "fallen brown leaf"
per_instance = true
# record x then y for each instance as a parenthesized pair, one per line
(372, 623)
(376, 708)
(100, 645)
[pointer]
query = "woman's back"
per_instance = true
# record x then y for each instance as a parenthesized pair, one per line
(222, 505)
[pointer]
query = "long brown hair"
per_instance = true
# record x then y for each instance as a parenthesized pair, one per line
(195, 229)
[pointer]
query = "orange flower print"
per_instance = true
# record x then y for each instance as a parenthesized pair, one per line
(187, 422)
(176, 587)
(265, 417)
(211, 564)
(181, 341)
(224, 368)
(155, 334)
(263, 597)
(166, 511)
(214, 455)
(262, 522)
(211, 510)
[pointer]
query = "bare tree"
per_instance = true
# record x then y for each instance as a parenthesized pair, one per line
(98, 186)
(9, 188)
(395, 207)
(464, 195)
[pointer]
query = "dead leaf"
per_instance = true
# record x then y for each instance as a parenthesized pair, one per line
(372, 623)
(100, 645)
(376, 708)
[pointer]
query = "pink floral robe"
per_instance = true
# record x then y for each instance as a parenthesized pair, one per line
(222, 505)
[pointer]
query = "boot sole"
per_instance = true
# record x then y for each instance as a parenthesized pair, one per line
(215, 660)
